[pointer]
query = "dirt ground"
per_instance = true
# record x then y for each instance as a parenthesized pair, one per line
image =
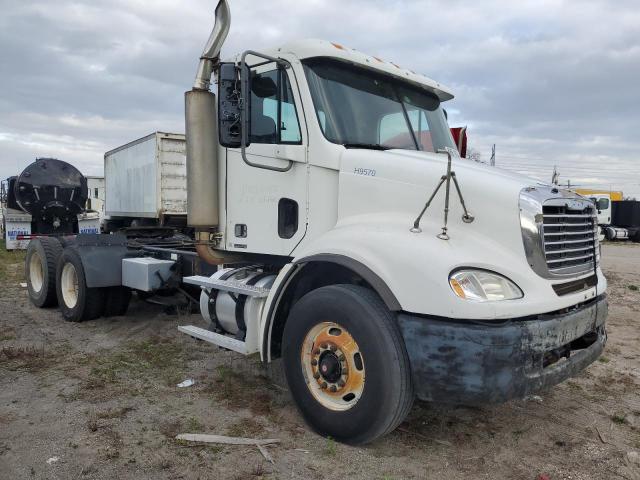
(98, 400)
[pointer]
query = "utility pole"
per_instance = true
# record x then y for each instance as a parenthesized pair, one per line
(492, 162)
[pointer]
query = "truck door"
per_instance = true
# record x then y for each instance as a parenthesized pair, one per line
(267, 195)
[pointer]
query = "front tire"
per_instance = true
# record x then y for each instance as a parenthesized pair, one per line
(77, 301)
(40, 265)
(346, 364)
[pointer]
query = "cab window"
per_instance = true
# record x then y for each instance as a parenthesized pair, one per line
(273, 113)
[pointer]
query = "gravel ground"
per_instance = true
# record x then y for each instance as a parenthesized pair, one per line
(98, 400)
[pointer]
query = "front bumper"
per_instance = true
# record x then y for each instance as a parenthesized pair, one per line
(473, 363)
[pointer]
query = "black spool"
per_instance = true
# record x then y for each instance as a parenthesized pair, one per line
(50, 190)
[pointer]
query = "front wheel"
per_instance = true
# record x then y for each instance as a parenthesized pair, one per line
(346, 364)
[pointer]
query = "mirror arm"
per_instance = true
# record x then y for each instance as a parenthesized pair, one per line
(244, 84)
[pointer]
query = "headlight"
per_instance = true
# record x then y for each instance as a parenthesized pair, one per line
(483, 286)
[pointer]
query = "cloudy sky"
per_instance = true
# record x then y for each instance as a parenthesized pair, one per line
(549, 82)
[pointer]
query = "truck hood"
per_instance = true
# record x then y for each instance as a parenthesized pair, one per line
(392, 187)
(437, 163)
(380, 195)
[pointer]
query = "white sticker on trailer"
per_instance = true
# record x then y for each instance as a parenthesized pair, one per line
(89, 225)
(14, 231)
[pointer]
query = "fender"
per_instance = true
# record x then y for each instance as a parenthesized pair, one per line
(379, 285)
(101, 257)
(288, 273)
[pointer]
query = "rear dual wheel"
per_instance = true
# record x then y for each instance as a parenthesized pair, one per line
(41, 261)
(346, 364)
(77, 301)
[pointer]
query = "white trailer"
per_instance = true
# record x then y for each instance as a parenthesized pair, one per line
(146, 181)
(357, 245)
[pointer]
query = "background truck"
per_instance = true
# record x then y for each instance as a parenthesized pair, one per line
(47, 198)
(379, 266)
(618, 219)
(146, 183)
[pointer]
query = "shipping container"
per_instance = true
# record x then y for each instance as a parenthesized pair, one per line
(147, 178)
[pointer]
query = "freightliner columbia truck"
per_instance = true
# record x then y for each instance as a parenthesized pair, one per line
(344, 234)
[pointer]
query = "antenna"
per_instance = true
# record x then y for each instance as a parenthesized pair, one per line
(492, 161)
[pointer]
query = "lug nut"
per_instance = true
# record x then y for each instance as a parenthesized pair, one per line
(314, 362)
(333, 348)
(316, 351)
(316, 375)
(324, 346)
(341, 358)
(332, 388)
(323, 385)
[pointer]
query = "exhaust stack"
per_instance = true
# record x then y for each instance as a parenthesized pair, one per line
(202, 142)
(212, 47)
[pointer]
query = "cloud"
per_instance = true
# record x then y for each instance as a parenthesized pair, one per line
(549, 82)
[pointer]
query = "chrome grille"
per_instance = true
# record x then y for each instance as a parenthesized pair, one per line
(570, 237)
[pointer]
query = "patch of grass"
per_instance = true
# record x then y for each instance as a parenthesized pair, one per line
(619, 418)
(633, 288)
(138, 362)
(241, 391)
(27, 357)
(245, 427)
(330, 447)
(574, 386)
(194, 425)
(11, 264)
(171, 428)
(114, 412)
(92, 422)
(9, 333)
(603, 359)
(110, 453)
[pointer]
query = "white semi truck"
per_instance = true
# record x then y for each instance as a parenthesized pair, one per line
(617, 220)
(348, 238)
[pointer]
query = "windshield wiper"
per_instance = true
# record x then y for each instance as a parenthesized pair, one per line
(370, 146)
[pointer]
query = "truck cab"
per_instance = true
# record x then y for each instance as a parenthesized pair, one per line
(602, 202)
(329, 164)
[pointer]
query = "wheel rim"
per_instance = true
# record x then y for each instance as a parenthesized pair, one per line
(333, 366)
(69, 285)
(36, 272)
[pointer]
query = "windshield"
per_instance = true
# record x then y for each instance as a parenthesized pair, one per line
(358, 107)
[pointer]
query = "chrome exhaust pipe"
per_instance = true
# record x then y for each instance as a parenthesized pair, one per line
(201, 134)
(212, 48)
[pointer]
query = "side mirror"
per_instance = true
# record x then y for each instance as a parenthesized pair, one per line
(231, 83)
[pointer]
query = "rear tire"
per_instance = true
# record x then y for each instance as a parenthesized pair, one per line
(117, 301)
(40, 266)
(332, 334)
(77, 301)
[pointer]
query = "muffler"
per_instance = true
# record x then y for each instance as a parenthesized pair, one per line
(202, 141)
